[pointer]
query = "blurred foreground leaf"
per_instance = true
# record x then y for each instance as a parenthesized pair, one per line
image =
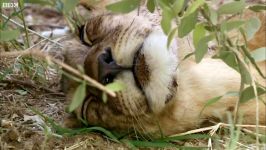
(259, 54)
(8, 35)
(232, 8)
(248, 93)
(78, 97)
(123, 6)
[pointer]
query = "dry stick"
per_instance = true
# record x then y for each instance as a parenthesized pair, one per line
(62, 64)
(14, 81)
(34, 32)
(215, 127)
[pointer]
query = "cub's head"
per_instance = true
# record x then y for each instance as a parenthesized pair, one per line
(132, 50)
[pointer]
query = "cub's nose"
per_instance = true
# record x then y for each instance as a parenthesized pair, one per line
(107, 67)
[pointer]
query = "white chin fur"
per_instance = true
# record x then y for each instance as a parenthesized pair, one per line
(162, 64)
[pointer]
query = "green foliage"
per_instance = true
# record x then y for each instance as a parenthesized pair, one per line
(259, 54)
(78, 97)
(230, 25)
(166, 20)
(115, 87)
(258, 8)
(248, 93)
(40, 2)
(198, 33)
(232, 8)
(213, 100)
(7, 35)
(178, 6)
(187, 24)
(151, 5)
(229, 58)
(69, 5)
(252, 26)
(171, 36)
(124, 6)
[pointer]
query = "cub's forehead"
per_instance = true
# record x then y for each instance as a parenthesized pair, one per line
(130, 34)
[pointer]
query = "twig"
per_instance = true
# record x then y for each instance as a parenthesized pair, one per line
(15, 81)
(42, 55)
(34, 32)
(214, 127)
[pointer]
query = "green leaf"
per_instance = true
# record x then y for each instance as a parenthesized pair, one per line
(104, 97)
(232, 8)
(167, 17)
(259, 54)
(230, 25)
(151, 5)
(248, 93)
(252, 60)
(22, 92)
(252, 26)
(40, 2)
(178, 6)
(115, 86)
(245, 75)
(198, 33)
(213, 16)
(106, 132)
(187, 24)
(124, 6)
(171, 36)
(194, 6)
(210, 102)
(229, 58)
(158, 144)
(78, 96)
(202, 47)
(8, 35)
(187, 137)
(216, 99)
(69, 5)
(257, 8)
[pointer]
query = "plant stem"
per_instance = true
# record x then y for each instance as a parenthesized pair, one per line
(24, 24)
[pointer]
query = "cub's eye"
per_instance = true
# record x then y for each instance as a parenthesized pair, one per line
(83, 36)
(108, 79)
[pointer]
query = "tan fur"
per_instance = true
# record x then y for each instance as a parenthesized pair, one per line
(130, 110)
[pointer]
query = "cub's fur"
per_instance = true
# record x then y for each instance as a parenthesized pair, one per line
(161, 92)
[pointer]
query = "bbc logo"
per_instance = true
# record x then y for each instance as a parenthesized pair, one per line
(9, 5)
